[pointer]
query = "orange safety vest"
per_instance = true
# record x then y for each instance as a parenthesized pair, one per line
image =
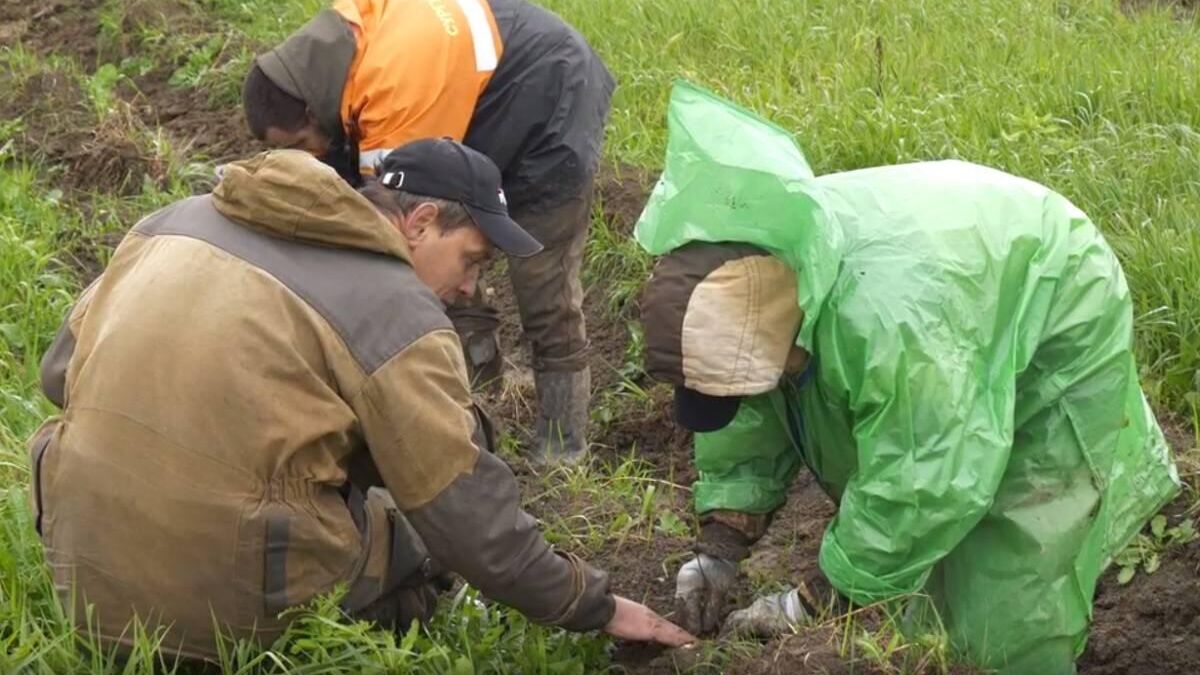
(419, 69)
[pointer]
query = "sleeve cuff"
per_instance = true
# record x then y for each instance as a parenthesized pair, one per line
(594, 607)
(745, 496)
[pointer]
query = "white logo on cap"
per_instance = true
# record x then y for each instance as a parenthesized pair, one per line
(500, 194)
(393, 179)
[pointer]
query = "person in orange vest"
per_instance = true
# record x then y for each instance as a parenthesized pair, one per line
(507, 78)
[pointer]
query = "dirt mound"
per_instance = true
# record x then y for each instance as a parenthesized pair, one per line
(45, 27)
(201, 124)
(104, 152)
(199, 127)
(195, 124)
(1152, 625)
(621, 192)
(812, 653)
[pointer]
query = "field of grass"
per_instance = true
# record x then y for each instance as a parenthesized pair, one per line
(1096, 102)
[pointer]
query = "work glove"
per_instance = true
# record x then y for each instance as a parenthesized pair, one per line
(768, 616)
(700, 590)
(780, 613)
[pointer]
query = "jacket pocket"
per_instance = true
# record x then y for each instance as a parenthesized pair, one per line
(38, 445)
(307, 548)
(275, 550)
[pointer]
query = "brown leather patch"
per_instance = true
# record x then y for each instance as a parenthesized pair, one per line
(751, 525)
(418, 419)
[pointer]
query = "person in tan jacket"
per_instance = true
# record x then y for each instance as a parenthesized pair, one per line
(251, 368)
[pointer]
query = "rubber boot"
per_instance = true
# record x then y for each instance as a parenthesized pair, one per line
(561, 433)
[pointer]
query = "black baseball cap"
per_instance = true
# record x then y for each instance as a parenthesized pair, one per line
(701, 412)
(446, 169)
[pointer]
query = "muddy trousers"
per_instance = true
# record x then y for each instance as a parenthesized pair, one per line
(399, 582)
(549, 297)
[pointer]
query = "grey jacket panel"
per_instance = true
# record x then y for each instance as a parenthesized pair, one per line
(378, 309)
(54, 366)
(58, 356)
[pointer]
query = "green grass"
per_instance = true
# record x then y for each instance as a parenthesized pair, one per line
(1076, 94)
(33, 298)
(1072, 93)
(600, 505)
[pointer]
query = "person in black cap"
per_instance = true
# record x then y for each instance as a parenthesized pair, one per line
(457, 187)
(506, 77)
(273, 366)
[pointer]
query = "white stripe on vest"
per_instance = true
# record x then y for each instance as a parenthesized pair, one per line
(367, 161)
(481, 35)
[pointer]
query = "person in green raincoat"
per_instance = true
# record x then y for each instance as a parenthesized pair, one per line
(948, 348)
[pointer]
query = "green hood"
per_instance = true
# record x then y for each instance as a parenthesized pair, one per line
(291, 194)
(731, 176)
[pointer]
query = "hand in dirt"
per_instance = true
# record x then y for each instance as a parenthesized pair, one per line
(635, 621)
(700, 590)
(768, 616)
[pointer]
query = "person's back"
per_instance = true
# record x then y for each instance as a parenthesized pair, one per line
(506, 77)
(209, 413)
(263, 399)
(971, 400)
(540, 115)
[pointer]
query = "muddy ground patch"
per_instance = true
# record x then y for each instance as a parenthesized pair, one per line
(195, 122)
(1150, 626)
(51, 27)
(53, 117)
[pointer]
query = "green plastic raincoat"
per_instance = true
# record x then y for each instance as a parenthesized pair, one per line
(972, 403)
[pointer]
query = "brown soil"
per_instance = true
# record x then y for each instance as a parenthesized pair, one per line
(59, 124)
(46, 27)
(1151, 625)
(814, 652)
(621, 192)
(200, 128)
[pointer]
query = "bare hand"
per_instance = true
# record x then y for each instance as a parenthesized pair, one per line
(635, 621)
